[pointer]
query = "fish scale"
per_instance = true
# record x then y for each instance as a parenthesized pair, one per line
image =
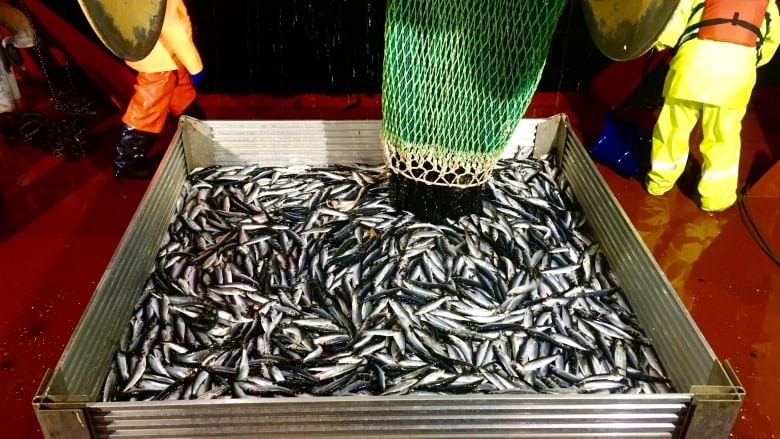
(279, 281)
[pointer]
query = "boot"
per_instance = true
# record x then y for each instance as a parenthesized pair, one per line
(194, 110)
(130, 159)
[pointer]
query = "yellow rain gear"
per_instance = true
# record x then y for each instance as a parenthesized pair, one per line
(163, 81)
(709, 81)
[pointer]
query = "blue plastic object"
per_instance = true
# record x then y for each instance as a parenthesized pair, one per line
(614, 147)
(196, 78)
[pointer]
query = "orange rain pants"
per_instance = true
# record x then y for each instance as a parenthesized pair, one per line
(156, 95)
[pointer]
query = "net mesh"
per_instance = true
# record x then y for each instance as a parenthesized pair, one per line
(458, 76)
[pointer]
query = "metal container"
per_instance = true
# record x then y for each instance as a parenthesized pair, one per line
(706, 405)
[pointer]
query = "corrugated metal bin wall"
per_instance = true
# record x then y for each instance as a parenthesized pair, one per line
(66, 405)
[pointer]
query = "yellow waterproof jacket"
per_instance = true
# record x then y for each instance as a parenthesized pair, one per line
(175, 47)
(714, 72)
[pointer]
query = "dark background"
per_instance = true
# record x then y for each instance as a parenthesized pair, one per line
(335, 46)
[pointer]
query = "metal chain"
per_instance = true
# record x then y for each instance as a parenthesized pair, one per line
(61, 136)
(69, 101)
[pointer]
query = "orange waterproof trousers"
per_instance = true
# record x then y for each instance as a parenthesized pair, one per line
(156, 95)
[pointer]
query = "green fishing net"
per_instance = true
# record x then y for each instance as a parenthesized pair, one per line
(458, 76)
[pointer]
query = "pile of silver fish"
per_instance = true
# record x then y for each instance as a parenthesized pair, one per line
(306, 281)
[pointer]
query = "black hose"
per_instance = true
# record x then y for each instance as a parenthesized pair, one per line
(752, 227)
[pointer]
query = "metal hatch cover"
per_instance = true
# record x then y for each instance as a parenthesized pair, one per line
(626, 29)
(128, 28)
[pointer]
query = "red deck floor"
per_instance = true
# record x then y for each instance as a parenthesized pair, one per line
(60, 223)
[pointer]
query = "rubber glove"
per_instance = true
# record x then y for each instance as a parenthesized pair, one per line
(196, 78)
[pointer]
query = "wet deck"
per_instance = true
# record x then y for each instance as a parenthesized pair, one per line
(60, 223)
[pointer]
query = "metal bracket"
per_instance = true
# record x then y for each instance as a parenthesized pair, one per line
(552, 128)
(198, 146)
(714, 408)
(61, 417)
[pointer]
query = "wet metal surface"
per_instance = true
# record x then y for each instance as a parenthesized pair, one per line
(60, 223)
